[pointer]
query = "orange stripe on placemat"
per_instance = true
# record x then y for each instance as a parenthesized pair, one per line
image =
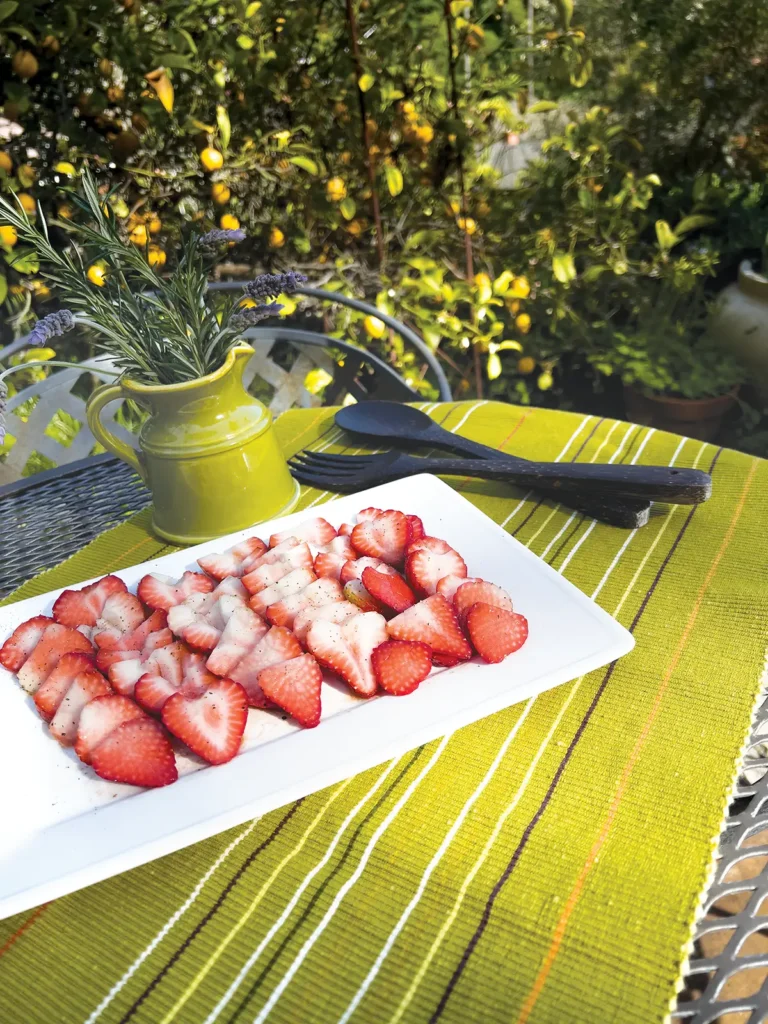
(573, 898)
(20, 931)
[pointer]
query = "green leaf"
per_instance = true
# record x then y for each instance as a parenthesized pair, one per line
(592, 273)
(348, 208)
(7, 7)
(365, 81)
(305, 163)
(696, 220)
(3, 289)
(541, 107)
(518, 12)
(579, 79)
(188, 39)
(25, 262)
(394, 179)
(565, 11)
(493, 366)
(253, 8)
(509, 346)
(19, 30)
(225, 128)
(563, 267)
(176, 60)
(245, 42)
(665, 235)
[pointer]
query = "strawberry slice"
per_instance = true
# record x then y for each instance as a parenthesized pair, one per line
(277, 646)
(339, 612)
(318, 593)
(84, 607)
(415, 530)
(50, 693)
(200, 620)
(173, 670)
(314, 531)
(390, 590)
(242, 632)
(24, 639)
(125, 667)
(56, 641)
(475, 591)
(121, 614)
(345, 530)
(163, 592)
(448, 585)
(276, 563)
(346, 649)
(83, 688)
(368, 513)
(138, 753)
(112, 639)
(211, 725)
(293, 583)
(99, 718)
(433, 622)
(356, 594)
(295, 687)
(385, 537)
(496, 632)
(446, 660)
(355, 567)
(428, 561)
(400, 665)
(330, 561)
(237, 561)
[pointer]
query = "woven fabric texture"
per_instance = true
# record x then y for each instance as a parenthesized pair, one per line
(544, 864)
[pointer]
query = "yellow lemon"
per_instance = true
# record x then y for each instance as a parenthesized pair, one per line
(154, 224)
(211, 159)
(25, 64)
(97, 275)
(526, 364)
(523, 323)
(374, 327)
(220, 193)
(468, 224)
(138, 234)
(355, 228)
(6, 164)
(65, 167)
(41, 289)
(336, 190)
(346, 157)
(51, 44)
(156, 256)
(8, 235)
(520, 288)
(65, 211)
(228, 222)
(27, 174)
(276, 238)
(484, 288)
(105, 67)
(545, 381)
(424, 132)
(28, 204)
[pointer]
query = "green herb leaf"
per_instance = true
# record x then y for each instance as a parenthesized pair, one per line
(563, 267)
(665, 235)
(7, 7)
(305, 163)
(365, 81)
(394, 178)
(3, 288)
(692, 223)
(348, 208)
(541, 107)
(493, 366)
(245, 42)
(225, 128)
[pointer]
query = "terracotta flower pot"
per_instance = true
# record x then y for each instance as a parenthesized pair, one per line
(694, 417)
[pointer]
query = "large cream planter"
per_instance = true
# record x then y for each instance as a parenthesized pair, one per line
(739, 322)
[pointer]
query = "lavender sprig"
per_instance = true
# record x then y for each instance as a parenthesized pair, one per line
(245, 318)
(269, 286)
(51, 326)
(218, 236)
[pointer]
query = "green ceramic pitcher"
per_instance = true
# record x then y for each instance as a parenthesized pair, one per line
(208, 452)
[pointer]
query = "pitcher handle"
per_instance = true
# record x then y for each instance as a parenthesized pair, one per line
(103, 396)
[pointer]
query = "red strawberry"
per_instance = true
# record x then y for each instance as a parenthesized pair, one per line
(124, 674)
(235, 562)
(277, 646)
(295, 687)
(433, 622)
(211, 725)
(276, 563)
(50, 693)
(428, 561)
(84, 607)
(317, 594)
(356, 594)
(162, 592)
(448, 585)
(446, 660)
(367, 513)
(56, 641)
(384, 537)
(313, 531)
(496, 632)
(18, 647)
(478, 590)
(346, 649)
(345, 530)
(415, 530)
(242, 632)
(122, 613)
(390, 590)
(355, 567)
(138, 753)
(83, 688)
(400, 665)
(113, 640)
(339, 612)
(201, 618)
(330, 561)
(291, 584)
(99, 718)
(177, 671)
(105, 659)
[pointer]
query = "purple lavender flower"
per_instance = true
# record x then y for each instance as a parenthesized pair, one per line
(269, 286)
(245, 318)
(51, 326)
(218, 236)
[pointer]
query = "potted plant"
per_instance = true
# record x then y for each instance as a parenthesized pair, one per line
(207, 449)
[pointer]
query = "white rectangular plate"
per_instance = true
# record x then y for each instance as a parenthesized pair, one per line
(63, 828)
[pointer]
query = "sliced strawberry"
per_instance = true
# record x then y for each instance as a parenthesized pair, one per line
(433, 622)
(315, 595)
(475, 591)
(428, 561)
(84, 687)
(330, 562)
(446, 660)
(99, 718)
(356, 594)
(235, 562)
(415, 530)
(56, 641)
(113, 640)
(18, 647)
(400, 665)
(276, 563)
(84, 607)
(346, 649)
(163, 592)
(367, 513)
(181, 671)
(105, 659)
(390, 590)
(314, 531)
(345, 530)
(211, 725)
(242, 632)
(295, 687)
(277, 646)
(291, 584)
(355, 567)
(138, 753)
(52, 691)
(339, 612)
(123, 675)
(448, 585)
(200, 620)
(496, 632)
(121, 614)
(385, 537)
